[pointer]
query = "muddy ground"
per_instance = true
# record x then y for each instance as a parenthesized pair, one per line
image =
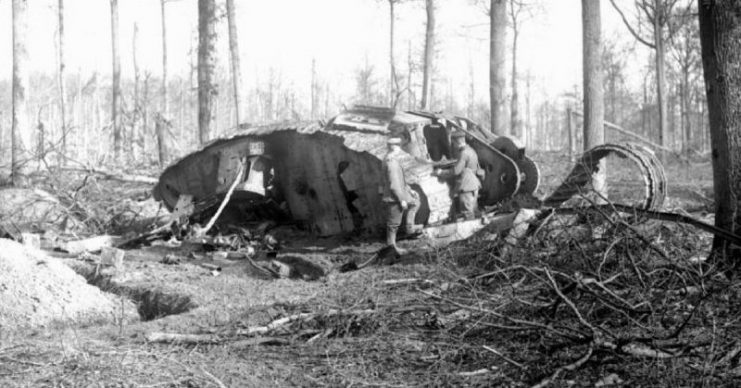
(382, 325)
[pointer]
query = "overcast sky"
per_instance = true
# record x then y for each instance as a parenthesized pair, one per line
(286, 35)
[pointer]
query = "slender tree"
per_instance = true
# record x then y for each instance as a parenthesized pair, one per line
(60, 77)
(427, 65)
(20, 128)
(206, 68)
(116, 87)
(161, 119)
(410, 69)
(654, 16)
(497, 58)
(234, 56)
(686, 51)
(594, 103)
(515, 9)
(137, 103)
(163, 24)
(392, 65)
(314, 90)
(720, 32)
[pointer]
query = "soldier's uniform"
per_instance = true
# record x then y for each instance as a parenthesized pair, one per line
(467, 184)
(396, 190)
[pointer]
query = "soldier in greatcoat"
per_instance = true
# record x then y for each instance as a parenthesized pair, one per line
(466, 171)
(398, 195)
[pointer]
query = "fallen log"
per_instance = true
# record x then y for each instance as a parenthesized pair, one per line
(119, 176)
(652, 214)
(91, 244)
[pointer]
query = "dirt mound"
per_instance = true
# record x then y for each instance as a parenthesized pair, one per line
(40, 291)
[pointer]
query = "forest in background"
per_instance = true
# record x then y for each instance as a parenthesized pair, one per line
(79, 104)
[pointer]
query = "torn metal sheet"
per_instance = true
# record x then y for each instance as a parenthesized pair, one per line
(650, 168)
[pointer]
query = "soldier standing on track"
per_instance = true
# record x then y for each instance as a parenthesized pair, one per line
(466, 169)
(397, 195)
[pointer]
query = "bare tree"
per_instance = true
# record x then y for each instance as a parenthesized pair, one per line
(234, 55)
(20, 128)
(163, 24)
(116, 86)
(720, 32)
(614, 61)
(393, 82)
(60, 77)
(427, 65)
(137, 103)
(314, 90)
(206, 68)
(685, 48)
(161, 119)
(365, 82)
(654, 16)
(594, 104)
(497, 35)
(411, 98)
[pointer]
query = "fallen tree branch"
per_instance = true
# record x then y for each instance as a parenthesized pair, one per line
(179, 338)
(503, 357)
(478, 372)
(566, 368)
(635, 349)
(161, 337)
(657, 215)
(123, 177)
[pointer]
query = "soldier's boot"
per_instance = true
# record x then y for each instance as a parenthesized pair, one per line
(391, 240)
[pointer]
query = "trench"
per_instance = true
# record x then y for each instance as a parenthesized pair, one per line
(152, 303)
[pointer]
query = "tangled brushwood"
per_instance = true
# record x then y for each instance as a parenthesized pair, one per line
(590, 291)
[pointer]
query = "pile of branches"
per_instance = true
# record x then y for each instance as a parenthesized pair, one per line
(604, 292)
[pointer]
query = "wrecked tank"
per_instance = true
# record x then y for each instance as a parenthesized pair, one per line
(327, 176)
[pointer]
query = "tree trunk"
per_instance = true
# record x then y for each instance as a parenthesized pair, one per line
(594, 104)
(686, 120)
(206, 68)
(661, 73)
(720, 34)
(234, 55)
(314, 90)
(528, 131)
(497, 47)
(514, 105)
(62, 92)
(116, 86)
(471, 90)
(159, 128)
(164, 58)
(20, 130)
(429, 47)
(392, 63)
(136, 113)
(410, 67)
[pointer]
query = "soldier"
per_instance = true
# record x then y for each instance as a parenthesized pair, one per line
(397, 194)
(466, 170)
